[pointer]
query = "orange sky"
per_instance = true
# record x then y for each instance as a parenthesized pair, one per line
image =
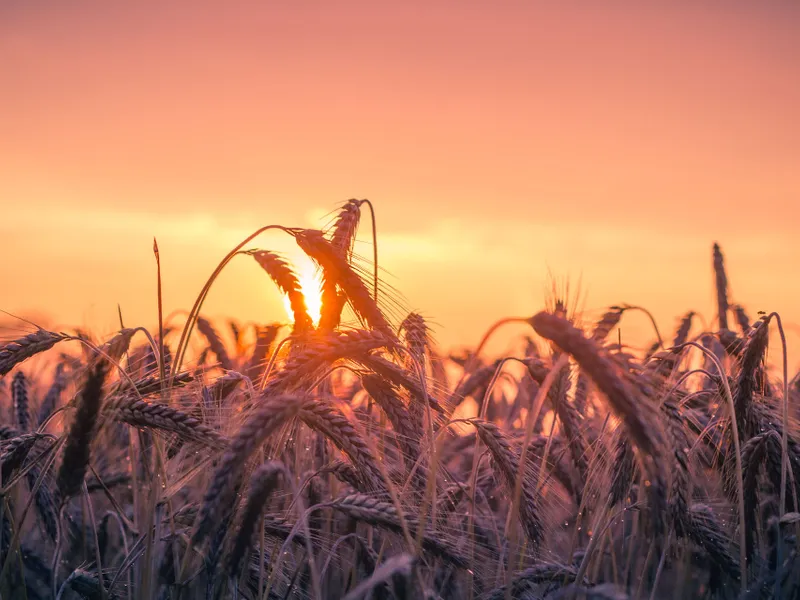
(499, 141)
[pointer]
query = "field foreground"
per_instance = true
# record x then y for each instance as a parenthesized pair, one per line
(342, 455)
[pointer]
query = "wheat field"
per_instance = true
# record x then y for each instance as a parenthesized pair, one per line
(343, 455)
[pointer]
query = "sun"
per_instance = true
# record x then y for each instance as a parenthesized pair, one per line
(310, 280)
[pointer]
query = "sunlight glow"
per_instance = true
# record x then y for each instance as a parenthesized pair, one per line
(311, 288)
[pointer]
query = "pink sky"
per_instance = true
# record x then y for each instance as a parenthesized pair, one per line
(610, 142)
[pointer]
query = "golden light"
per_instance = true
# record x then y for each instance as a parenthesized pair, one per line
(311, 287)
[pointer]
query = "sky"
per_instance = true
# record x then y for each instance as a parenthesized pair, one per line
(503, 144)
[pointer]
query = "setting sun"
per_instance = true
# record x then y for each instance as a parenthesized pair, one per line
(311, 287)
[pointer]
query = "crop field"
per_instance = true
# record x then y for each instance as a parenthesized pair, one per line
(339, 453)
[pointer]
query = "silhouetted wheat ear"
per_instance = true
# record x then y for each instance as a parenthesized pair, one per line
(44, 501)
(762, 449)
(332, 302)
(53, 395)
(119, 344)
(557, 464)
(731, 343)
(624, 470)
(570, 420)
(640, 418)
(214, 342)
(383, 514)
(682, 333)
(705, 531)
(269, 415)
(397, 570)
(343, 232)
(321, 415)
(608, 321)
(225, 385)
(336, 268)
(475, 384)
(322, 351)
(342, 237)
(263, 481)
(346, 473)
(408, 435)
(449, 499)
(525, 583)
(84, 583)
(281, 273)
(663, 363)
(581, 392)
(141, 413)
(400, 378)
(507, 460)
(742, 319)
(236, 331)
(136, 361)
(751, 374)
(265, 336)
(75, 458)
(19, 350)
(417, 336)
(153, 385)
(722, 287)
(681, 490)
(8, 432)
(14, 452)
(19, 398)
